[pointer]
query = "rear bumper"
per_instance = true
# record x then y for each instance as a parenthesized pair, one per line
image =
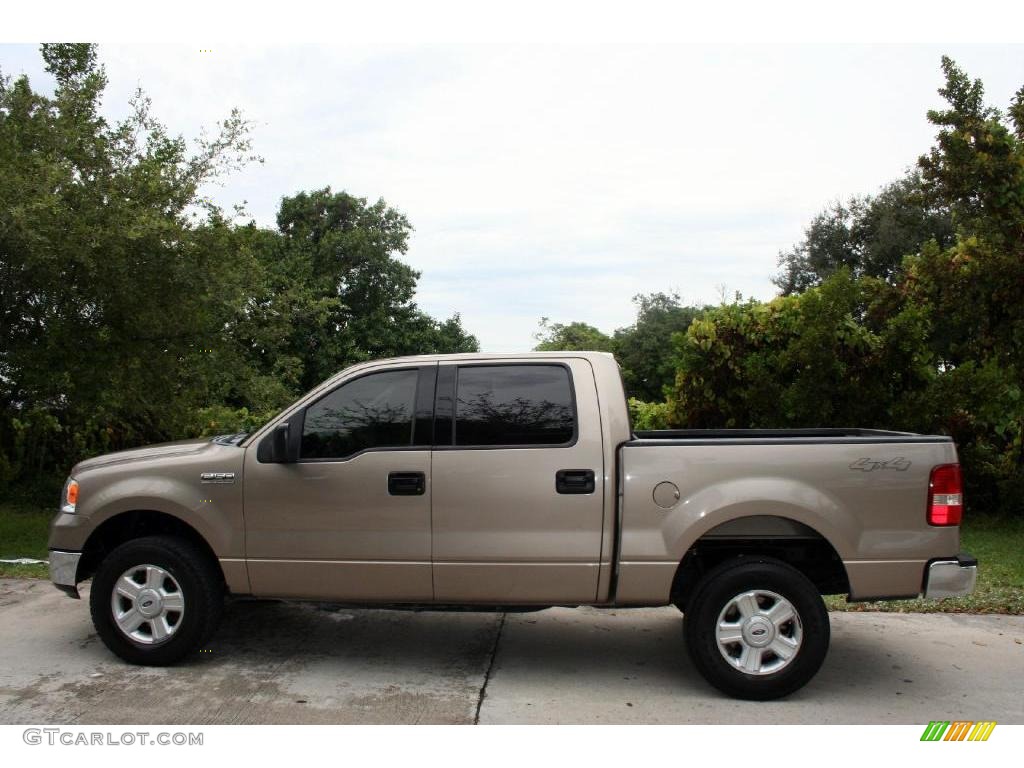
(64, 570)
(953, 577)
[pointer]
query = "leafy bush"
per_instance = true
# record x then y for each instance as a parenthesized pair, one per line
(649, 415)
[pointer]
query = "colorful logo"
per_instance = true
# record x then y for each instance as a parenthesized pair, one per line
(958, 730)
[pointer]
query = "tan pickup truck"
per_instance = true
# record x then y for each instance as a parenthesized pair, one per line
(514, 482)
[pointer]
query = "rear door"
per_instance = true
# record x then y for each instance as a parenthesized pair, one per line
(517, 482)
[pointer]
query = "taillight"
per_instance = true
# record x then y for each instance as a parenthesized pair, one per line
(945, 495)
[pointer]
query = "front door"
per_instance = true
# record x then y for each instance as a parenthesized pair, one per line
(517, 483)
(350, 520)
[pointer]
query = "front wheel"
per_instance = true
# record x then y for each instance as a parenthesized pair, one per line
(156, 599)
(756, 628)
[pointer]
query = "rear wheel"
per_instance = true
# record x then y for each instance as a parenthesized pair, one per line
(156, 599)
(756, 628)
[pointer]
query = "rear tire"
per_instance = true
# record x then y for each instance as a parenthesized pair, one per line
(756, 628)
(156, 599)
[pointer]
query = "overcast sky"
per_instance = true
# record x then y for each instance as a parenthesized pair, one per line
(560, 181)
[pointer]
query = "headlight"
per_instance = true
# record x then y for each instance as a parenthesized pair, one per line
(69, 497)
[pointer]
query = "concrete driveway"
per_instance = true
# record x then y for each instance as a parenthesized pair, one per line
(298, 663)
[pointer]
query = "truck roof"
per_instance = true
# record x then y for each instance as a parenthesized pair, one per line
(489, 356)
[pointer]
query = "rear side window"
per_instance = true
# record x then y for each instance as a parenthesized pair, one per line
(374, 411)
(514, 405)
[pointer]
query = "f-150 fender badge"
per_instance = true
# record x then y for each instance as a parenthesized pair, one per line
(217, 477)
(900, 464)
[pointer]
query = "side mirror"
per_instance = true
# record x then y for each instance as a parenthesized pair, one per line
(280, 455)
(276, 447)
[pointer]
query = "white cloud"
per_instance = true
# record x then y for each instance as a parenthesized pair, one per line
(561, 180)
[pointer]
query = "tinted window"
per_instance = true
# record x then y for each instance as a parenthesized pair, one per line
(513, 405)
(374, 411)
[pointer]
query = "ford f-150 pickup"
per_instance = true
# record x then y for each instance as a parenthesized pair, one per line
(514, 482)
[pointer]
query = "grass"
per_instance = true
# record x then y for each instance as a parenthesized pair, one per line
(24, 530)
(998, 545)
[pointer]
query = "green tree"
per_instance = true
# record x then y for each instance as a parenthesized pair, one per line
(336, 293)
(133, 310)
(868, 235)
(973, 290)
(575, 337)
(112, 282)
(975, 167)
(644, 350)
(918, 325)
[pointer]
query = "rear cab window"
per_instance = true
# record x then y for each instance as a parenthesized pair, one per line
(514, 405)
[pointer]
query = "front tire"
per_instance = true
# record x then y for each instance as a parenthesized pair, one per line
(156, 599)
(756, 628)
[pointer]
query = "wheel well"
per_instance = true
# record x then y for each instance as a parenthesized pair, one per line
(807, 551)
(133, 525)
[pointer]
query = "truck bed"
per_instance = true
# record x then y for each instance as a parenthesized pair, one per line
(864, 491)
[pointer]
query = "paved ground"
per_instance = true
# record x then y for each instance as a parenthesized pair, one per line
(292, 663)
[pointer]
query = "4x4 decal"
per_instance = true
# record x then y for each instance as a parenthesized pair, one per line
(900, 464)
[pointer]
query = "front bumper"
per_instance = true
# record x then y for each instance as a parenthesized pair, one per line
(952, 577)
(64, 570)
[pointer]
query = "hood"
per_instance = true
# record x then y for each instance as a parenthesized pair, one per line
(161, 450)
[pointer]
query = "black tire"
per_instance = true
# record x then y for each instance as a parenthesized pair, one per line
(717, 590)
(200, 584)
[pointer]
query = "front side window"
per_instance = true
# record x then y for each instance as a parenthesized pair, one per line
(374, 411)
(514, 405)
